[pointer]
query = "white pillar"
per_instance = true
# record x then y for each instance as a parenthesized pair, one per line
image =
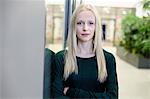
(139, 9)
(1, 64)
(23, 49)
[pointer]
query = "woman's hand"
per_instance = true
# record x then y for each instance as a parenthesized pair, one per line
(65, 90)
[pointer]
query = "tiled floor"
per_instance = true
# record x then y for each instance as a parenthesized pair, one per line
(134, 83)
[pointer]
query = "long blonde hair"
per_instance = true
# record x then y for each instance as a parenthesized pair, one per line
(70, 56)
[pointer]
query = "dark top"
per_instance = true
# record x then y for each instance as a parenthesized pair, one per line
(48, 73)
(85, 83)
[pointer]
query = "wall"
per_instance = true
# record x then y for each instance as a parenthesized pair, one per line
(23, 49)
(1, 49)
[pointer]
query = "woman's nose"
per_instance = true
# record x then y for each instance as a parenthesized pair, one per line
(85, 27)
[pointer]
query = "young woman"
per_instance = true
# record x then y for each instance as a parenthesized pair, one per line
(85, 69)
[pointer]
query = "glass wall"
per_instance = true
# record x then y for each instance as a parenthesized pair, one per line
(111, 18)
(55, 24)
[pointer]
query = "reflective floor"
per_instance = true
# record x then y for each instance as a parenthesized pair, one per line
(134, 83)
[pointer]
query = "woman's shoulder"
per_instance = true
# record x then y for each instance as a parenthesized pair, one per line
(60, 54)
(47, 51)
(110, 60)
(49, 54)
(108, 55)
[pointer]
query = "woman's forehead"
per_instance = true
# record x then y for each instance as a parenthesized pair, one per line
(86, 14)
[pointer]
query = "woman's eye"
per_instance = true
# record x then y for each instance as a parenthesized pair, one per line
(91, 23)
(79, 23)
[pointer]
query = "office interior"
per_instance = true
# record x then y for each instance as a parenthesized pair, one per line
(27, 27)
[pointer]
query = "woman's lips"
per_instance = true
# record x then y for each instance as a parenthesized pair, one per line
(85, 34)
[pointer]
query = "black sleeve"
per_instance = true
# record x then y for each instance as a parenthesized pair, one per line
(57, 85)
(48, 64)
(79, 93)
(111, 84)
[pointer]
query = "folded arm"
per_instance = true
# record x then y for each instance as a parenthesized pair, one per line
(58, 85)
(111, 90)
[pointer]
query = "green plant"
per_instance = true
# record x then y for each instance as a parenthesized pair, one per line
(136, 37)
(146, 6)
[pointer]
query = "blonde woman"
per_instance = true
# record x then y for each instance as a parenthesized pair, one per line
(85, 70)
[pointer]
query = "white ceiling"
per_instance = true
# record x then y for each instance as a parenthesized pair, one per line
(109, 3)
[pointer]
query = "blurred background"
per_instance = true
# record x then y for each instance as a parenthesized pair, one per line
(27, 27)
(126, 34)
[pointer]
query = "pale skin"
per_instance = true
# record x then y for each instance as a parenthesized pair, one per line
(85, 28)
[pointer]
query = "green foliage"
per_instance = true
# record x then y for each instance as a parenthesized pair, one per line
(136, 35)
(146, 4)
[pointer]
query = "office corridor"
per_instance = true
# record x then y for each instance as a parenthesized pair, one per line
(134, 83)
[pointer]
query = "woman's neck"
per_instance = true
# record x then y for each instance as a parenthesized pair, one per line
(85, 49)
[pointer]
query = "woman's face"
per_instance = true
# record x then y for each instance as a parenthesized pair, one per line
(85, 26)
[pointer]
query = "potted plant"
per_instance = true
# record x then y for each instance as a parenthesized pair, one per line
(136, 41)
